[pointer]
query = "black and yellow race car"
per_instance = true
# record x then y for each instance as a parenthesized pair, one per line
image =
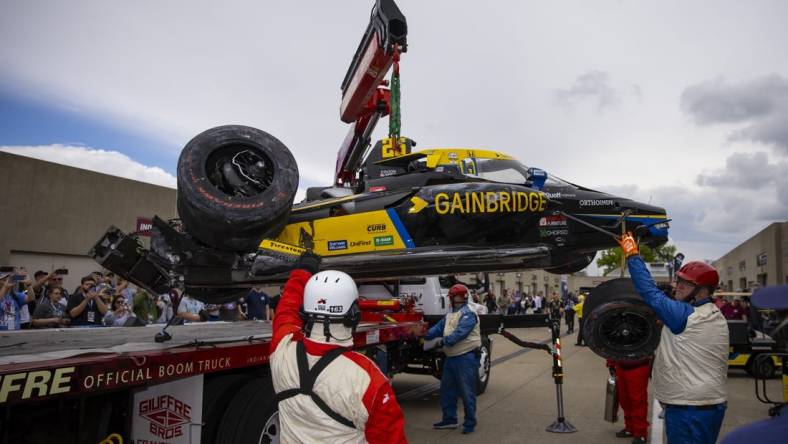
(392, 211)
(435, 211)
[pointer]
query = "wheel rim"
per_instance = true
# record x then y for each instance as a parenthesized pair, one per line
(240, 170)
(765, 368)
(484, 368)
(271, 430)
(625, 330)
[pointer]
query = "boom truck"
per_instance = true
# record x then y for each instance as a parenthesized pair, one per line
(210, 383)
(390, 213)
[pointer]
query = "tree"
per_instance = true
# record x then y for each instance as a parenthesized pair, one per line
(610, 259)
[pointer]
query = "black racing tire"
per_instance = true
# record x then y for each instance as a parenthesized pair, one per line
(236, 186)
(485, 365)
(252, 415)
(761, 367)
(618, 324)
(577, 264)
(218, 392)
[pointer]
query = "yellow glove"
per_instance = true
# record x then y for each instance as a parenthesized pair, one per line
(628, 245)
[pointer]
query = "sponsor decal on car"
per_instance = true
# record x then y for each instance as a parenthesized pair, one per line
(361, 243)
(280, 247)
(559, 195)
(385, 172)
(471, 202)
(552, 221)
(376, 228)
(555, 232)
(381, 241)
(595, 202)
(334, 245)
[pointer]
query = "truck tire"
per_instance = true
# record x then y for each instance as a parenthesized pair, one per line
(218, 392)
(618, 324)
(485, 365)
(761, 367)
(236, 186)
(252, 415)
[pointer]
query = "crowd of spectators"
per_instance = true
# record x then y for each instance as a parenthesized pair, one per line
(105, 300)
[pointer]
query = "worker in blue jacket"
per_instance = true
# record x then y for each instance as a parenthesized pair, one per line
(690, 372)
(461, 343)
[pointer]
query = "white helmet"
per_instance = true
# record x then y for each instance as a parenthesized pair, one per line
(330, 293)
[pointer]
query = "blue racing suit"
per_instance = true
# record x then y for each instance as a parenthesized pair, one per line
(459, 372)
(683, 423)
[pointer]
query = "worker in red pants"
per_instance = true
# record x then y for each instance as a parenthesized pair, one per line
(632, 390)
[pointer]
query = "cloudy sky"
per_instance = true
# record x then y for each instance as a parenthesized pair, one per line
(684, 104)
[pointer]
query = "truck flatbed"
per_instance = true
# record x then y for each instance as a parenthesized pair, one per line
(55, 362)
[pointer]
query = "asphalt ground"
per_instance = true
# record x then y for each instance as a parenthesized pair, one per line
(520, 400)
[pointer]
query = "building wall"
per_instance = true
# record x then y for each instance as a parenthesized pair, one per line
(758, 261)
(53, 214)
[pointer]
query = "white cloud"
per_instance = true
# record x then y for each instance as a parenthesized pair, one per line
(593, 86)
(473, 77)
(98, 160)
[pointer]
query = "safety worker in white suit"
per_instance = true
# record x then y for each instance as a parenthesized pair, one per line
(326, 392)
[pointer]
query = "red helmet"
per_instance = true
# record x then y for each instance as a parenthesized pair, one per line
(699, 273)
(458, 290)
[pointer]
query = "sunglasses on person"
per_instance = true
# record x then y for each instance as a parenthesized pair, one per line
(684, 282)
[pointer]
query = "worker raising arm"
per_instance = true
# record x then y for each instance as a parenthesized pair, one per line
(691, 364)
(326, 392)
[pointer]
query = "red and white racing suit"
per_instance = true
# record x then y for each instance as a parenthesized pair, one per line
(351, 385)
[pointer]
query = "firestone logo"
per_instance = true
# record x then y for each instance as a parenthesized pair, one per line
(167, 415)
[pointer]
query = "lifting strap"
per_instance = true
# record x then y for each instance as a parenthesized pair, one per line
(307, 378)
(395, 124)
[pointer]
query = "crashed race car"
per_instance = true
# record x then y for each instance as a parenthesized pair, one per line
(437, 211)
(392, 211)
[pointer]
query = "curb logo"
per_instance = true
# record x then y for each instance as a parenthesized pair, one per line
(167, 415)
(375, 228)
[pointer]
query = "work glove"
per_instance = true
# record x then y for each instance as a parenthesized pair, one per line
(308, 261)
(628, 245)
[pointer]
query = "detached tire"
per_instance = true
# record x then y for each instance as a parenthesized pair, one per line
(252, 416)
(618, 324)
(483, 375)
(236, 186)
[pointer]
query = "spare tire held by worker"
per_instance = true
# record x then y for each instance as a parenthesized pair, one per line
(618, 323)
(236, 186)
